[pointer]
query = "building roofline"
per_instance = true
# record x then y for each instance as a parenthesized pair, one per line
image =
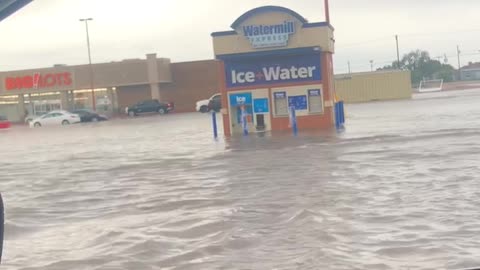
(278, 52)
(306, 25)
(260, 10)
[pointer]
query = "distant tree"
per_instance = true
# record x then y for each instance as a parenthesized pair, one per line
(446, 73)
(423, 67)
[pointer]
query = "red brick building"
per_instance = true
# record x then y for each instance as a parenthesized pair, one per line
(116, 85)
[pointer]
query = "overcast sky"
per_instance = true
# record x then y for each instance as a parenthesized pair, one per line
(48, 32)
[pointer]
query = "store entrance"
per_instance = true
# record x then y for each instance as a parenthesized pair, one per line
(41, 107)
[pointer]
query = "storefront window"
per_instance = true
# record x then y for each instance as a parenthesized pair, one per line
(41, 103)
(315, 102)
(9, 107)
(103, 101)
(45, 106)
(83, 99)
(280, 103)
(4, 100)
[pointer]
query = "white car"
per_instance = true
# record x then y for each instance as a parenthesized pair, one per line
(55, 118)
(29, 118)
(202, 105)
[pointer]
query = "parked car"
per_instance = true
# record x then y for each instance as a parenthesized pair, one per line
(202, 105)
(4, 123)
(55, 118)
(29, 118)
(215, 104)
(150, 106)
(89, 116)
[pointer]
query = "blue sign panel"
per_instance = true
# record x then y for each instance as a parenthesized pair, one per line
(314, 92)
(273, 70)
(260, 105)
(298, 102)
(240, 99)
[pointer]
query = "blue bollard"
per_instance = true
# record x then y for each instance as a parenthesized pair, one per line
(243, 118)
(293, 121)
(214, 123)
(343, 113)
(337, 115)
(245, 125)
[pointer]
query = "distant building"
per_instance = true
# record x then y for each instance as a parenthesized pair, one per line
(471, 72)
(373, 86)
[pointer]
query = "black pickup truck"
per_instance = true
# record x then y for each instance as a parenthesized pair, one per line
(149, 106)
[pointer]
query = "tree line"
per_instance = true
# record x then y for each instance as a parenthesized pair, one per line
(422, 66)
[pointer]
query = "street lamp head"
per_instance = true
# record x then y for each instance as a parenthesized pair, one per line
(87, 19)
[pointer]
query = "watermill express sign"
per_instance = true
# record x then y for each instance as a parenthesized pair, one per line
(268, 36)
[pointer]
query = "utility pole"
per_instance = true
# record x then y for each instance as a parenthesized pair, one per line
(349, 70)
(459, 66)
(90, 63)
(398, 52)
(371, 65)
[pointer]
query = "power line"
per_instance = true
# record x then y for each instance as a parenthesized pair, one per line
(363, 42)
(406, 35)
(440, 33)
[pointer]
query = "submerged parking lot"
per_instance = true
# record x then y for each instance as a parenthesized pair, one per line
(397, 189)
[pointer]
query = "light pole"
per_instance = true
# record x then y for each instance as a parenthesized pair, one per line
(459, 66)
(90, 62)
(398, 52)
(371, 65)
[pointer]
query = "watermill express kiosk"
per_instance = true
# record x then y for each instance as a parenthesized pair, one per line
(274, 59)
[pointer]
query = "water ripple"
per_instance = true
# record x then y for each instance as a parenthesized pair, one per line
(396, 190)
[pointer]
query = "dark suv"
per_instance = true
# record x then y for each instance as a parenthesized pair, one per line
(149, 106)
(89, 116)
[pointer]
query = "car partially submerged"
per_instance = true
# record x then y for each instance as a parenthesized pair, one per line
(150, 106)
(89, 115)
(202, 105)
(55, 118)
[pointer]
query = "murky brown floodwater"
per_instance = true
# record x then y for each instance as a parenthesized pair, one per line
(398, 190)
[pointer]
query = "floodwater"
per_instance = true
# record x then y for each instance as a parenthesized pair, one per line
(398, 189)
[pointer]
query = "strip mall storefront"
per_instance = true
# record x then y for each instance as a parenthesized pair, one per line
(116, 85)
(272, 61)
